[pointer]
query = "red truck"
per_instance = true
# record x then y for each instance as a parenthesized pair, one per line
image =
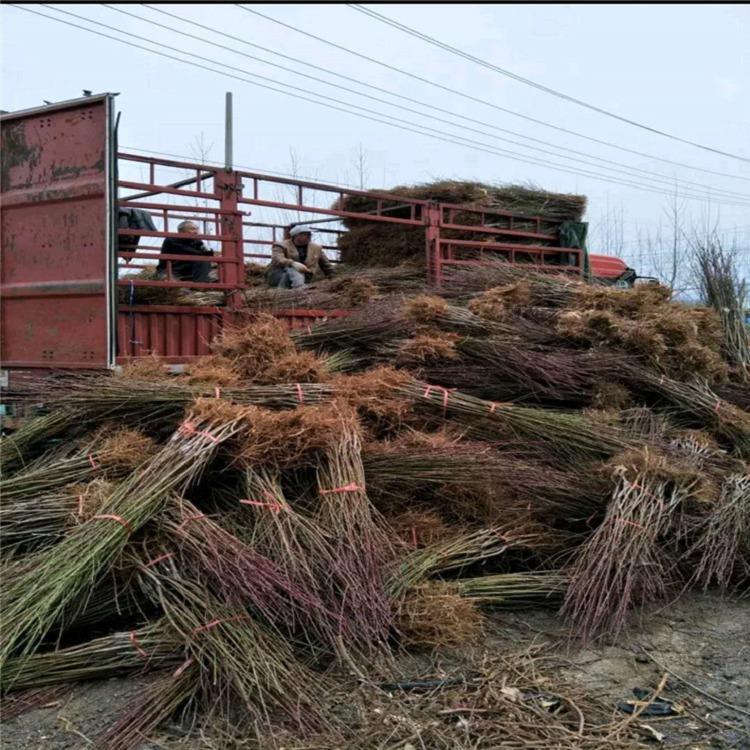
(63, 252)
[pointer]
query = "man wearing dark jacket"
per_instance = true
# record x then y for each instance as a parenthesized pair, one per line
(186, 270)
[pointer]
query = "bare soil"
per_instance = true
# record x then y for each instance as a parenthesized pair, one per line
(702, 644)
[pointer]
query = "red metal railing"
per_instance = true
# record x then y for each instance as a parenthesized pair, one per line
(454, 234)
(494, 235)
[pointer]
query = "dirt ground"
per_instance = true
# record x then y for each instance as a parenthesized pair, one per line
(701, 643)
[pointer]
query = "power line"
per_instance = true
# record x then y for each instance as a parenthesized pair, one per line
(486, 103)
(541, 87)
(391, 121)
(654, 176)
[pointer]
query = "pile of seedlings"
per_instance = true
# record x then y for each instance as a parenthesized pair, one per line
(382, 244)
(299, 510)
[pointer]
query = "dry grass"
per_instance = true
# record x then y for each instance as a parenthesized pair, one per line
(354, 291)
(214, 370)
(433, 616)
(609, 395)
(150, 367)
(425, 308)
(626, 302)
(125, 448)
(374, 394)
(494, 303)
(420, 528)
(668, 340)
(428, 346)
(288, 438)
(252, 348)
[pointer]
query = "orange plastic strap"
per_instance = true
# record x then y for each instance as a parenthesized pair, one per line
(93, 463)
(188, 428)
(217, 392)
(352, 487)
(214, 623)
(300, 393)
(274, 506)
(112, 517)
(165, 556)
(137, 646)
(445, 391)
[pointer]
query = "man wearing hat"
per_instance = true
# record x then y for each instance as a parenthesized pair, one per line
(296, 261)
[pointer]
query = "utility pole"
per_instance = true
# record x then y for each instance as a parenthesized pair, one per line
(228, 161)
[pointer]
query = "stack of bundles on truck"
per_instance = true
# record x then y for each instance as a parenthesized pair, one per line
(372, 243)
(268, 531)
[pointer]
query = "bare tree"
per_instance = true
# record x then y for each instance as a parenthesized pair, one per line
(663, 252)
(361, 168)
(608, 230)
(721, 286)
(201, 152)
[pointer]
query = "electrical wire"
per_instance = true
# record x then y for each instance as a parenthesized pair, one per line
(654, 176)
(391, 121)
(486, 103)
(541, 87)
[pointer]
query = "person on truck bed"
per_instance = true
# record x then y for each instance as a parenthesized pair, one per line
(297, 261)
(186, 270)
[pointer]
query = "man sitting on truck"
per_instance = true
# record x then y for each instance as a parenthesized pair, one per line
(297, 261)
(186, 270)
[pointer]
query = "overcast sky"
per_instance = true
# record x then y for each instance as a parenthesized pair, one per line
(683, 69)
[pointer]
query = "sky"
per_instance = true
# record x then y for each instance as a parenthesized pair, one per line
(681, 69)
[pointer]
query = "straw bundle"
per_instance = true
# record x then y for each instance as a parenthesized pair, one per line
(360, 545)
(37, 599)
(224, 640)
(625, 562)
(513, 590)
(151, 647)
(382, 244)
(155, 705)
(434, 616)
(723, 541)
(563, 436)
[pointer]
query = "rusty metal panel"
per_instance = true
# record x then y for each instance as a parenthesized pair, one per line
(56, 272)
(176, 333)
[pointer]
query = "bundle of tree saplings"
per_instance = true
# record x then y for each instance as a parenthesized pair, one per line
(299, 508)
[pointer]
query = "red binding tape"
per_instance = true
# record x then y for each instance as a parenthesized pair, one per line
(217, 392)
(137, 646)
(188, 428)
(446, 393)
(273, 506)
(300, 394)
(112, 517)
(352, 487)
(214, 623)
(93, 463)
